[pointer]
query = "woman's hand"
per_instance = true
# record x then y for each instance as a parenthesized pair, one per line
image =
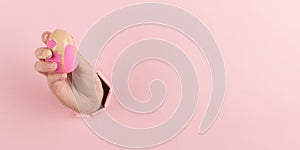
(86, 93)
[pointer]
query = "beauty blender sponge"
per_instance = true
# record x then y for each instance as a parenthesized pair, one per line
(63, 51)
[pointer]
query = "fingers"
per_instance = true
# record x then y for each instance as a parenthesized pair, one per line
(43, 53)
(45, 67)
(45, 36)
(55, 77)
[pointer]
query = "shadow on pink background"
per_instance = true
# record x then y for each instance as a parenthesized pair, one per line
(259, 41)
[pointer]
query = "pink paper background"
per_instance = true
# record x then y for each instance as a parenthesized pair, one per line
(259, 40)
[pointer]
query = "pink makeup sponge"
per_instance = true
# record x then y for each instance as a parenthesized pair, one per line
(64, 52)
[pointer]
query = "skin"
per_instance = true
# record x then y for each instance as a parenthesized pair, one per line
(83, 97)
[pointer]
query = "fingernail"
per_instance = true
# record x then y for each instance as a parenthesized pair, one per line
(63, 76)
(53, 65)
(46, 54)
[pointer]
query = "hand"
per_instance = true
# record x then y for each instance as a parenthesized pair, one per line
(81, 97)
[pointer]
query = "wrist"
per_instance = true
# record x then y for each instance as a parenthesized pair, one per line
(103, 92)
